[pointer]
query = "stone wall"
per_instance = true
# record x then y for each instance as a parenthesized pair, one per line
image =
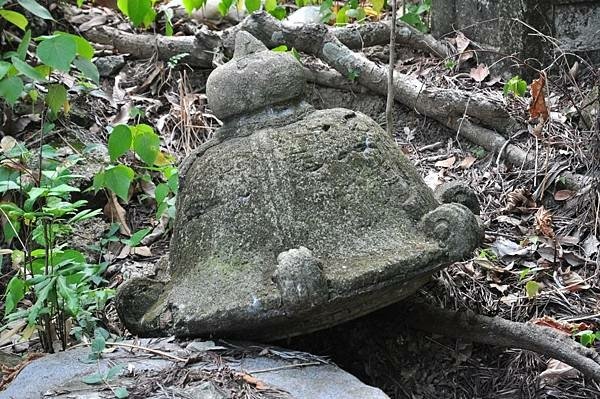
(514, 26)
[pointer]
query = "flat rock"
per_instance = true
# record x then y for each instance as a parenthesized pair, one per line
(145, 375)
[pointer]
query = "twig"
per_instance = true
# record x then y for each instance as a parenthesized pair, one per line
(288, 366)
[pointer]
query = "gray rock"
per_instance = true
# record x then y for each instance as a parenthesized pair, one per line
(60, 375)
(291, 220)
(109, 65)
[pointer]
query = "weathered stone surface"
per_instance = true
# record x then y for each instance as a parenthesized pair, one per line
(459, 192)
(514, 26)
(292, 220)
(60, 375)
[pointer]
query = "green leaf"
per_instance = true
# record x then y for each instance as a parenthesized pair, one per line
(118, 179)
(378, 5)
(4, 68)
(15, 18)
(137, 237)
(114, 371)
(270, 5)
(161, 192)
(191, 5)
(36, 9)
(56, 97)
(98, 344)
(121, 393)
(278, 12)
(57, 52)
(341, 18)
(173, 182)
(88, 68)
(15, 291)
(11, 89)
(224, 6)
(119, 141)
(252, 5)
(26, 69)
(69, 295)
(532, 289)
(168, 12)
(24, 45)
(92, 379)
(137, 10)
(146, 144)
(280, 49)
(83, 47)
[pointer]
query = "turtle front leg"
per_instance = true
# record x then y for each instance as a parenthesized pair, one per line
(300, 279)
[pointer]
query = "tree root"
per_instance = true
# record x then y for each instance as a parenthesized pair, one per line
(501, 332)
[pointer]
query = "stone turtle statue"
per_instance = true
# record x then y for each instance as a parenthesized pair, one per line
(291, 220)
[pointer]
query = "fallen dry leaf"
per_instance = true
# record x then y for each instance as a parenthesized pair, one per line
(519, 199)
(555, 371)
(7, 143)
(141, 251)
(461, 45)
(258, 384)
(116, 213)
(563, 195)
(467, 162)
(480, 73)
(543, 222)
(446, 163)
(562, 326)
(572, 281)
(538, 108)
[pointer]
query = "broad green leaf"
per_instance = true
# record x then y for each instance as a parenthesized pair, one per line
(378, 5)
(149, 18)
(161, 192)
(252, 5)
(119, 141)
(280, 49)
(341, 18)
(57, 52)
(83, 47)
(98, 344)
(26, 69)
(4, 68)
(191, 5)
(24, 45)
(532, 288)
(224, 6)
(123, 6)
(278, 12)
(92, 379)
(56, 97)
(137, 237)
(121, 393)
(270, 5)
(173, 182)
(114, 371)
(69, 295)
(118, 179)
(15, 291)
(146, 144)
(137, 10)
(15, 18)
(11, 89)
(88, 68)
(36, 9)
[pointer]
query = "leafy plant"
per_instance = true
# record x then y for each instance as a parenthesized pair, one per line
(139, 141)
(587, 337)
(58, 279)
(516, 86)
(414, 15)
